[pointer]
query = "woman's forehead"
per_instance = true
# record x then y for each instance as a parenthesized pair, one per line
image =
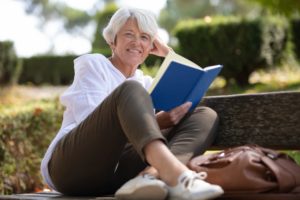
(132, 25)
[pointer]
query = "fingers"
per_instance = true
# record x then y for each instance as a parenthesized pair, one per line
(183, 109)
(186, 106)
(160, 48)
(173, 117)
(179, 112)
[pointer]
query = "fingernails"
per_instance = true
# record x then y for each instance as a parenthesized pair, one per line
(189, 103)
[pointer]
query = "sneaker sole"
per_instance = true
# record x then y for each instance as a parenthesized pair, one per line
(145, 193)
(202, 197)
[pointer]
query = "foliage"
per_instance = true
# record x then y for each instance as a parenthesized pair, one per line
(10, 65)
(176, 10)
(241, 45)
(56, 70)
(102, 18)
(295, 155)
(25, 133)
(150, 71)
(48, 10)
(295, 24)
(282, 7)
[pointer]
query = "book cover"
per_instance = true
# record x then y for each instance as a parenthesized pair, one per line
(179, 80)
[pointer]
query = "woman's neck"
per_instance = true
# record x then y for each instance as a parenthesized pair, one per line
(126, 70)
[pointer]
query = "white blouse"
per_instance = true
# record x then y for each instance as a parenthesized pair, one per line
(95, 78)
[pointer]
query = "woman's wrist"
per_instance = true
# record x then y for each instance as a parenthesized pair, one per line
(168, 50)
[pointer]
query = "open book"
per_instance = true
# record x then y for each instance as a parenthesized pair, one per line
(180, 80)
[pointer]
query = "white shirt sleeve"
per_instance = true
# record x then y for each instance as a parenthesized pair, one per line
(88, 89)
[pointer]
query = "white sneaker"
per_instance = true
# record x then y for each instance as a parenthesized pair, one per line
(143, 187)
(191, 187)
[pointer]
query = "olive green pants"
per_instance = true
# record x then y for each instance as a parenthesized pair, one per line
(106, 149)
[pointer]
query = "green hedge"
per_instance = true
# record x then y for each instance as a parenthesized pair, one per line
(241, 45)
(99, 44)
(10, 65)
(55, 70)
(295, 24)
(25, 133)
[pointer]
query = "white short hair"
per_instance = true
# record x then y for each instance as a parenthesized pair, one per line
(145, 19)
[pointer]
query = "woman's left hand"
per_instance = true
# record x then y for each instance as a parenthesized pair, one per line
(160, 48)
(172, 117)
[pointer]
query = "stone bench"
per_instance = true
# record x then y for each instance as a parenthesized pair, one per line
(267, 119)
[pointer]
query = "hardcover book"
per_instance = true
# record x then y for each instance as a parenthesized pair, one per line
(179, 80)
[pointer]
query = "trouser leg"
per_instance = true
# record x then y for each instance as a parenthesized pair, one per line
(192, 136)
(84, 161)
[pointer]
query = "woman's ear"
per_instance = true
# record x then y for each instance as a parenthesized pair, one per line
(113, 43)
(112, 46)
(152, 46)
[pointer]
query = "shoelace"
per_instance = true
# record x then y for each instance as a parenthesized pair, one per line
(188, 181)
(148, 176)
(202, 175)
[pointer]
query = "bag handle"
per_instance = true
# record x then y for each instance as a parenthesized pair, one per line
(285, 180)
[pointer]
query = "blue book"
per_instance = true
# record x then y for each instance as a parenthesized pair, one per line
(179, 80)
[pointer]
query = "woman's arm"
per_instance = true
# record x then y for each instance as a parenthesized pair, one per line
(88, 89)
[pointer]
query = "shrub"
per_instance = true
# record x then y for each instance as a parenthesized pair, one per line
(241, 45)
(10, 66)
(295, 24)
(25, 133)
(55, 70)
(102, 18)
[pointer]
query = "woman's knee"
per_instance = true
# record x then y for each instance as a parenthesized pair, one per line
(206, 119)
(131, 85)
(207, 114)
(132, 88)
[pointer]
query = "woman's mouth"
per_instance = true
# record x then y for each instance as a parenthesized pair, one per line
(135, 51)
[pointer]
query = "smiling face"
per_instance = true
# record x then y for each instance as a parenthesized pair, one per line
(131, 46)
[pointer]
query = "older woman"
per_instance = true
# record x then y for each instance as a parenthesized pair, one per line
(110, 135)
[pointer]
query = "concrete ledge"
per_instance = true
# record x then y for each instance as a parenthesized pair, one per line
(49, 196)
(267, 119)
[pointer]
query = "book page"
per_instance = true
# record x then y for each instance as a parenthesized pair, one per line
(172, 56)
(212, 67)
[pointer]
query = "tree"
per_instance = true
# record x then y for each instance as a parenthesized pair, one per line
(176, 10)
(73, 20)
(102, 17)
(48, 11)
(287, 8)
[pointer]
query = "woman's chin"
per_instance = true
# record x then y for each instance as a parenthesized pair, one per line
(134, 62)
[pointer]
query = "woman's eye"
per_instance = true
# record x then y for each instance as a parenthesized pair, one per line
(130, 35)
(145, 37)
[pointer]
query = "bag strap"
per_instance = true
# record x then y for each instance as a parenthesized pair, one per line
(285, 179)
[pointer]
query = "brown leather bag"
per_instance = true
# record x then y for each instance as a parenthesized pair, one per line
(249, 168)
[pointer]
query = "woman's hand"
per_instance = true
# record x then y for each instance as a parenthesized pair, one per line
(172, 117)
(160, 48)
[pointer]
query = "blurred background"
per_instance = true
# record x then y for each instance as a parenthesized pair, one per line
(257, 41)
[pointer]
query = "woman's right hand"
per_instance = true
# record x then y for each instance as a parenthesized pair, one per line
(172, 117)
(160, 48)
